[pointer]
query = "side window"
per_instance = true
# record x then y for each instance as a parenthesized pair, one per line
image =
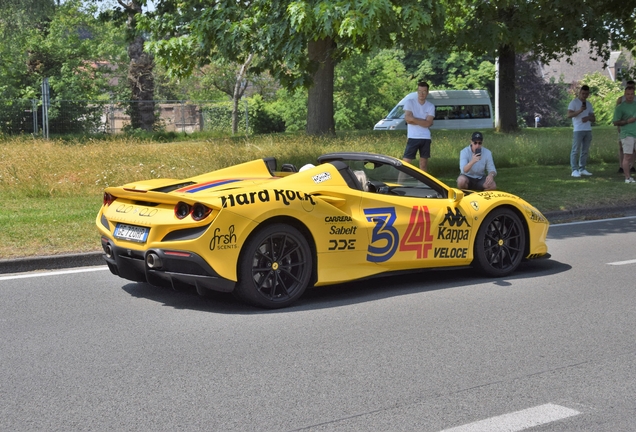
(456, 112)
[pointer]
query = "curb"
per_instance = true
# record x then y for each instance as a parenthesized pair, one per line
(54, 262)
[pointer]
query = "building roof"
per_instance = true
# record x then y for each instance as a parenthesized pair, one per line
(582, 64)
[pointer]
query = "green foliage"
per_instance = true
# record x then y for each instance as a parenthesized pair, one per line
(15, 116)
(452, 69)
(367, 87)
(536, 97)
(291, 106)
(548, 29)
(279, 34)
(68, 45)
(194, 87)
(465, 71)
(263, 119)
(603, 95)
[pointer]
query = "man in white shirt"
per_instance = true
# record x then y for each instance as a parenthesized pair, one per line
(419, 114)
(582, 114)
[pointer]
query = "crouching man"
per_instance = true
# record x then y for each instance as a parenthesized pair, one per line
(477, 169)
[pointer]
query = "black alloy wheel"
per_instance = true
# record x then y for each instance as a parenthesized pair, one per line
(500, 243)
(275, 267)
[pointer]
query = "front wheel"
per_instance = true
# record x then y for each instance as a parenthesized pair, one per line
(500, 243)
(274, 267)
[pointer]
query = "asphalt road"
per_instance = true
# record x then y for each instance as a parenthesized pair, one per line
(552, 346)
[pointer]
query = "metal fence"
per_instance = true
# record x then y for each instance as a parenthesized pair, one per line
(27, 116)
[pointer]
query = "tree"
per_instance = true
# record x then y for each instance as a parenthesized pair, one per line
(300, 41)
(367, 86)
(458, 70)
(18, 20)
(140, 70)
(603, 95)
(535, 96)
(230, 78)
(547, 29)
(67, 45)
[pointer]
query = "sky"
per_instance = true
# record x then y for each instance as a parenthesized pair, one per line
(109, 4)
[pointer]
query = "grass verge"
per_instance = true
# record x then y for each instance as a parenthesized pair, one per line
(50, 191)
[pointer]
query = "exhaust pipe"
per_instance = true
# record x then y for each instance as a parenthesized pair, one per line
(153, 261)
(108, 250)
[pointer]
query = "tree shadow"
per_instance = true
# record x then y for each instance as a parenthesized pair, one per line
(592, 228)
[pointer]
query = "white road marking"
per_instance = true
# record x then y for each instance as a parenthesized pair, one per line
(52, 273)
(519, 420)
(623, 262)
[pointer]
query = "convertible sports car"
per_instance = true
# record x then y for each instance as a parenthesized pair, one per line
(267, 234)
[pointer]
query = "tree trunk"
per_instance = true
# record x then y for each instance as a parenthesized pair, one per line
(239, 89)
(142, 86)
(320, 112)
(140, 78)
(507, 94)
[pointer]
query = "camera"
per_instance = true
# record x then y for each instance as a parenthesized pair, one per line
(478, 151)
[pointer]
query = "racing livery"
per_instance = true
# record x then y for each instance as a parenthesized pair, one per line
(267, 234)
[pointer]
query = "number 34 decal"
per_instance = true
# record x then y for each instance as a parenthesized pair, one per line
(385, 238)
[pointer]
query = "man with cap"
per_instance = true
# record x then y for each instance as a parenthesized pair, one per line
(477, 169)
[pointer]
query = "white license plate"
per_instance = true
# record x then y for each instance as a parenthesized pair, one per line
(131, 232)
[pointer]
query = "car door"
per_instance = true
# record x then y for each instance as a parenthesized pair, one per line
(408, 232)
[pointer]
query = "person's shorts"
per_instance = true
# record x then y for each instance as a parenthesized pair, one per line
(413, 145)
(629, 144)
(475, 184)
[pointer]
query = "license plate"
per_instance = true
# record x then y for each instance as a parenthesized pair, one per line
(131, 232)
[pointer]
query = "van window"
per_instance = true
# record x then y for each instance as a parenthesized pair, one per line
(450, 112)
(396, 113)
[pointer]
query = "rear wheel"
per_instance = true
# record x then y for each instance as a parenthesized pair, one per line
(500, 243)
(274, 267)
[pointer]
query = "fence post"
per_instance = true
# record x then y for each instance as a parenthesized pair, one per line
(45, 108)
(34, 116)
(247, 119)
(182, 116)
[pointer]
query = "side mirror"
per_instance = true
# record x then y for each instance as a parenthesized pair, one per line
(455, 195)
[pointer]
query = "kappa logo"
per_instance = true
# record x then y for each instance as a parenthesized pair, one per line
(454, 218)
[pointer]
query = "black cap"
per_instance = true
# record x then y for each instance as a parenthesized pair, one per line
(477, 136)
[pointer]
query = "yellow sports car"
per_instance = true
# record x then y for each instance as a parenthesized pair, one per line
(267, 233)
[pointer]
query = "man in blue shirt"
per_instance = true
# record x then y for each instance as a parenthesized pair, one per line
(476, 166)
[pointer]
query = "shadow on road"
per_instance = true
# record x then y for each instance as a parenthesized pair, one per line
(346, 293)
(592, 228)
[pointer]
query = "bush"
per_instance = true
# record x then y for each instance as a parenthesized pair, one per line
(603, 95)
(263, 118)
(292, 108)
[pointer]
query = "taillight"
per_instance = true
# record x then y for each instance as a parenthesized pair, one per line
(108, 199)
(181, 210)
(200, 212)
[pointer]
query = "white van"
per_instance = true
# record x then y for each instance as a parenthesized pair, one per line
(454, 109)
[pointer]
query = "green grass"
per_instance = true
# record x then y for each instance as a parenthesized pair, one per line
(50, 191)
(48, 226)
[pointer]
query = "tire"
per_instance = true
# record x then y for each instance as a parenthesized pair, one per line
(275, 267)
(500, 243)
